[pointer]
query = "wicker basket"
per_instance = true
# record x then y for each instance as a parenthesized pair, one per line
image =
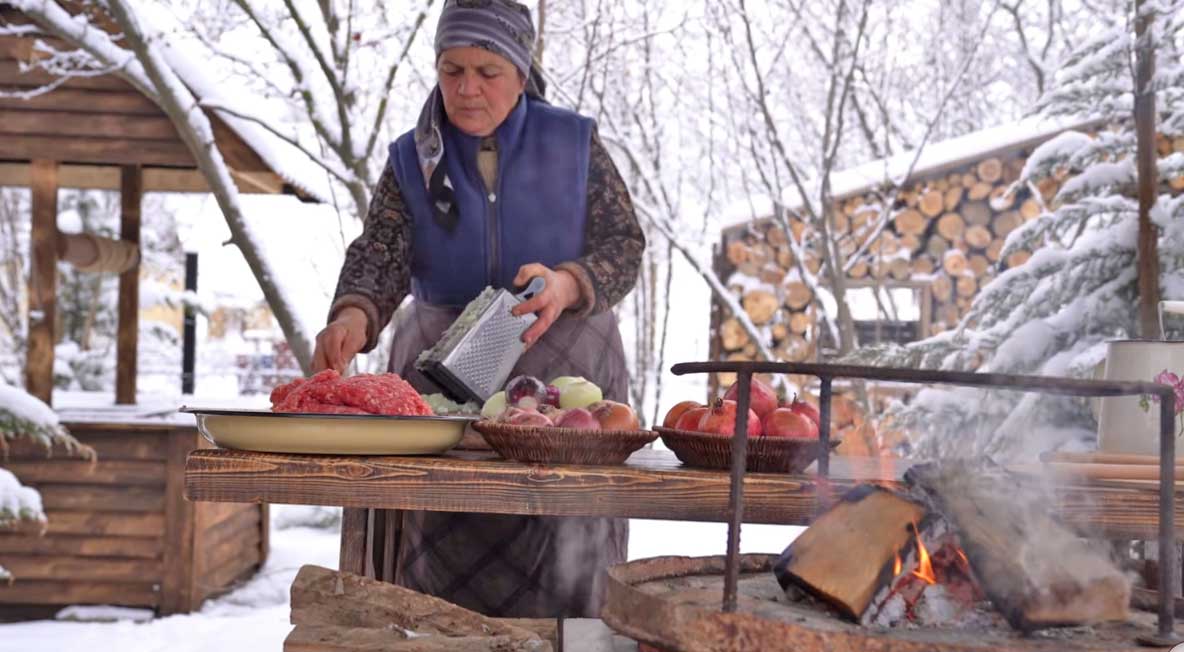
(765, 454)
(550, 445)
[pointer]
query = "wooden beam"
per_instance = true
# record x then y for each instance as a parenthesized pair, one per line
(106, 177)
(75, 123)
(43, 275)
(11, 76)
(354, 524)
(99, 101)
(111, 151)
(127, 336)
(178, 591)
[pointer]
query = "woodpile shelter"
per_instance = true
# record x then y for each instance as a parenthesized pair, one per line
(909, 276)
(119, 529)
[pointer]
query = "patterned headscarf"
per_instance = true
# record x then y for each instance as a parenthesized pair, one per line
(503, 27)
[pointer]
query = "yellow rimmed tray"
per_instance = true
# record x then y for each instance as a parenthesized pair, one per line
(328, 434)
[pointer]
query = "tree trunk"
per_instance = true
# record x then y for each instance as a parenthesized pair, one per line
(1148, 254)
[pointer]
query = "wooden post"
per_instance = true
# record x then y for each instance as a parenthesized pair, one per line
(43, 277)
(354, 522)
(1148, 251)
(178, 590)
(126, 364)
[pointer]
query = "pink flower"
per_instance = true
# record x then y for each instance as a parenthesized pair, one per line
(1166, 377)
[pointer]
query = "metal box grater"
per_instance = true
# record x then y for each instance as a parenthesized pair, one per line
(475, 356)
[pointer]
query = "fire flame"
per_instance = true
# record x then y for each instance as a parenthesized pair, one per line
(896, 566)
(962, 556)
(924, 567)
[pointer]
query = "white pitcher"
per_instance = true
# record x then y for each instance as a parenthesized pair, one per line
(1124, 426)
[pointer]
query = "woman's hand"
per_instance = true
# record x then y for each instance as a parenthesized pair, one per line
(561, 292)
(340, 341)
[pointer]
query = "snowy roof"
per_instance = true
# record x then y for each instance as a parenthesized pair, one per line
(935, 159)
(190, 59)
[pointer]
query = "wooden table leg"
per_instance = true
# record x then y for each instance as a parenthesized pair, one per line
(354, 522)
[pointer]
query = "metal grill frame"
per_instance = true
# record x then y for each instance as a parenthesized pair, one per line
(1057, 385)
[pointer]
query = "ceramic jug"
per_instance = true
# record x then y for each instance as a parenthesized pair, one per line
(1128, 424)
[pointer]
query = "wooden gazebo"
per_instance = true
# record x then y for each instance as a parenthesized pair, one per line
(96, 132)
(119, 530)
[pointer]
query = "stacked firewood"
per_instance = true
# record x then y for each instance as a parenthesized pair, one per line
(943, 235)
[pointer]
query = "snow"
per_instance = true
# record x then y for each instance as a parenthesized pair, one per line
(936, 157)
(27, 407)
(18, 501)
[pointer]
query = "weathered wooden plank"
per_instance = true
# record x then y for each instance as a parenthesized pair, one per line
(652, 484)
(78, 149)
(79, 592)
(42, 279)
(97, 427)
(178, 590)
(127, 332)
(83, 546)
(210, 515)
(59, 567)
(96, 101)
(248, 518)
(354, 522)
(11, 76)
(125, 445)
(224, 553)
(130, 472)
(106, 177)
(107, 498)
(220, 580)
(327, 638)
(103, 125)
(106, 523)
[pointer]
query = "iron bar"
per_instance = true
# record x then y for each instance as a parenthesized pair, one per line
(1042, 384)
(736, 491)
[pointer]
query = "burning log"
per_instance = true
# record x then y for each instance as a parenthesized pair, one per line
(850, 552)
(1036, 572)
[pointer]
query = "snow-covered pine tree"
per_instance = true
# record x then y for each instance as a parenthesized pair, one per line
(1053, 314)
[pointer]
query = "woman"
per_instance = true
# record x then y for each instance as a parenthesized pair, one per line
(492, 187)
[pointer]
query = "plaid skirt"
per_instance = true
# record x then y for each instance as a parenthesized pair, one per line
(504, 565)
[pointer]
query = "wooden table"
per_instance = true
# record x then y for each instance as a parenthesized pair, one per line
(652, 484)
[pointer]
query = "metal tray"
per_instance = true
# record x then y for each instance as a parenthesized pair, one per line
(331, 434)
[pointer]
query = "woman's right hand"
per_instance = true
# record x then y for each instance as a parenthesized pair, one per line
(340, 341)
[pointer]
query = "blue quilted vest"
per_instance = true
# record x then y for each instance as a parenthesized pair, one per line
(535, 214)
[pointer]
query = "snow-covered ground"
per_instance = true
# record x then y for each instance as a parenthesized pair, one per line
(255, 616)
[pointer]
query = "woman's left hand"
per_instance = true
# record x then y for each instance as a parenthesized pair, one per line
(561, 292)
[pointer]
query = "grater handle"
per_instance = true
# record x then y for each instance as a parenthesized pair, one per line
(532, 289)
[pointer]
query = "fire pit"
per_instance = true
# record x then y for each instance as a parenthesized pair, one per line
(672, 603)
(952, 564)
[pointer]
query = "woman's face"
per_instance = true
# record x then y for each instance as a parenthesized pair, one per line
(480, 88)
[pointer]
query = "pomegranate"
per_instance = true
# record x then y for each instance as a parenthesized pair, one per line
(677, 411)
(577, 418)
(761, 398)
(807, 410)
(785, 422)
(721, 419)
(614, 416)
(689, 420)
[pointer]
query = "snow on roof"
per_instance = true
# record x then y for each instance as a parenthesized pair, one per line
(190, 59)
(935, 158)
